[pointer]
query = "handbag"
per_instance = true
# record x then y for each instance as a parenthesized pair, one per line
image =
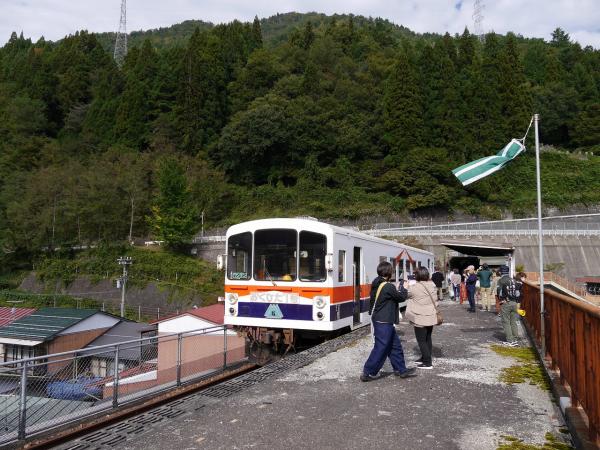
(438, 314)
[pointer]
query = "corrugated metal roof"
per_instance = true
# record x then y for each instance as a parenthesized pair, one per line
(43, 324)
(8, 314)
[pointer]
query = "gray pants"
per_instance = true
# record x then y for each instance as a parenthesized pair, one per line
(509, 315)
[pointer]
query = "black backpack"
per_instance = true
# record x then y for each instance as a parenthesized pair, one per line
(511, 291)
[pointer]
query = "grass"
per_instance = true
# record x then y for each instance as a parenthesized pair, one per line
(530, 369)
(513, 443)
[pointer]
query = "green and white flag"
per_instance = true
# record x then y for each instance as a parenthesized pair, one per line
(480, 168)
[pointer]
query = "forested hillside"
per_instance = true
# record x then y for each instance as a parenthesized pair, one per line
(332, 117)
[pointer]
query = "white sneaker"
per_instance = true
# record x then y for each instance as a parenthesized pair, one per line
(424, 367)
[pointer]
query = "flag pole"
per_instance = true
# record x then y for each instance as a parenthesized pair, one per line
(536, 119)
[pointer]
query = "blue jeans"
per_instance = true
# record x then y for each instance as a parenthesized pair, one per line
(471, 295)
(387, 345)
(456, 288)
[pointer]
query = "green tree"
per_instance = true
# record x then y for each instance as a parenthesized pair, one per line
(173, 217)
(402, 107)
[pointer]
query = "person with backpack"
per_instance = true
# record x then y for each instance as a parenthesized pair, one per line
(509, 293)
(384, 316)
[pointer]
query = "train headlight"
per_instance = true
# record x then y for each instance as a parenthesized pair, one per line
(320, 315)
(232, 310)
(232, 298)
(320, 302)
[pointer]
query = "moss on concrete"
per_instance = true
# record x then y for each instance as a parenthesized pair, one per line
(530, 369)
(552, 443)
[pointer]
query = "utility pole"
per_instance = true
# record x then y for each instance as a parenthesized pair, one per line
(202, 218)
(121, 41)
(124, 261)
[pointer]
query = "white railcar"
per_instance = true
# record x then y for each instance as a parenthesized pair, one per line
(302, 274)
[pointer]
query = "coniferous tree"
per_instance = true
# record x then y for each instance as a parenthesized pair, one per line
(515, 97)
(402, 107)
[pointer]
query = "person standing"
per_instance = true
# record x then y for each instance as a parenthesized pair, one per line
(438, 279)
(485, 286)
(509, 296)
(421, 312)
(494, 286)
(455, 280)
(384, 315)
(471, 283)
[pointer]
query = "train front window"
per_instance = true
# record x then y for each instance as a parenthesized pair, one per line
(275, 255)
(313, 247)
(239, 256)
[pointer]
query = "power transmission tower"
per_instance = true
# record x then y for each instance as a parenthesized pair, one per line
(478, 7)
(121, 41)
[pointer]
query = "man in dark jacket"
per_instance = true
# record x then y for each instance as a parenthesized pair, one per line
(438, 279)
(384, 315)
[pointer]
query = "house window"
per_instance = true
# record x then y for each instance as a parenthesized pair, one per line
(17, 352)
(103, 367)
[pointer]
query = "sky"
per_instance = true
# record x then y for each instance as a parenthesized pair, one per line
(55, 19)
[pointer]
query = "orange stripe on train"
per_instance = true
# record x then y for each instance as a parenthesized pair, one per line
(336, 294)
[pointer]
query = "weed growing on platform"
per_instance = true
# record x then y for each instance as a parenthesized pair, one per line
(530, 369)
(513, 443)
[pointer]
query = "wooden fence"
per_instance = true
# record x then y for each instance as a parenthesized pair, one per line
(572, 330)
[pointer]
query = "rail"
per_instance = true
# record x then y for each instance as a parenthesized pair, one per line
(572, 330)
(44, 392)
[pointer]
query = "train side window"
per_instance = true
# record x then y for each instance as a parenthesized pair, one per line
(342, 265)
(239, 256)
(313, 248)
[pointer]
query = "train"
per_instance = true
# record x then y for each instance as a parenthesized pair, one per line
(287, 278)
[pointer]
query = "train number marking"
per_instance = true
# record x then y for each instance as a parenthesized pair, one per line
(273, 312)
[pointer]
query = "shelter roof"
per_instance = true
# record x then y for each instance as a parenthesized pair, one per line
(474, 248)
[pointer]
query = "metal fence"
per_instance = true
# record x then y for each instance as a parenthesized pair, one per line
(41, 393)
(572, 334)
(567, 225)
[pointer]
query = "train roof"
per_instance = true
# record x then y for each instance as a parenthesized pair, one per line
(311, 224)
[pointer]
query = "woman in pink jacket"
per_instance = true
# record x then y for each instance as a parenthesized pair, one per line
(422, 314)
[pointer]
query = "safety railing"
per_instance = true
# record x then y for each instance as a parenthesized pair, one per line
(484, 231)
(572, 334)
(551, 277)
(41, 393)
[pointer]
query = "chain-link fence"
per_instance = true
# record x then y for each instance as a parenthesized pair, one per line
(41, 393)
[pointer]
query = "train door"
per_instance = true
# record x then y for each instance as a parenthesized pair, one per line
(356, 265)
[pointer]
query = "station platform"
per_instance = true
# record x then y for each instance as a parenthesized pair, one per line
(315, 400)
